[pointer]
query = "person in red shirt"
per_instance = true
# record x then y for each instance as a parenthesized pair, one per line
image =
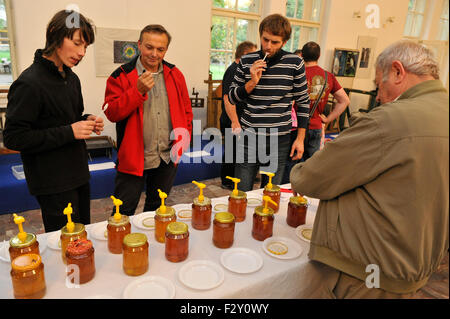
(315, 76)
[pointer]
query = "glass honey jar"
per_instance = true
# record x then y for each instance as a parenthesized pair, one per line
(273, 191)
(118, 227)
(223, 230)
(162, 219)
(263, 221)
(78, 232)
(201, 214)
(237, 205)
(135, 254)
(28, 279)
(296, 213)
(177, 242)
(18, 247)
(80, 253)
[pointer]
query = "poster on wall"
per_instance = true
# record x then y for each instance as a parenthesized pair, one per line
(345, 62)
(367, 47)
(114, 47)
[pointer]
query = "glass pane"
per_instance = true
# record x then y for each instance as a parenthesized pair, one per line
(408, 25)
(315, 14)
(249, 5)
(417, 25)
(224, 4)
(247, 30)
(5, 63)
(444, 14)
(222, 33)
(420, 6)
(219, 63)
(443, 30)
(290, 8)
(411, 5)
(299, 13)
(293, 42)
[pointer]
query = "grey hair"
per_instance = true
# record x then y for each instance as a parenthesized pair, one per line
(415, 58)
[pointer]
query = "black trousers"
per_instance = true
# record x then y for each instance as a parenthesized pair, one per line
(128, 188)
(52, 207)
(228, 167)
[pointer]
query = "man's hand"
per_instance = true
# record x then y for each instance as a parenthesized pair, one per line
(145, 83)
(99, 125)
(83, 129)
(256, 72)
(324, 119)
(297, 147)
(236, 128)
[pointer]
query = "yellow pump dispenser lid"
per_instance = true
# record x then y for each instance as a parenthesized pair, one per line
(117, 202)
(68, 211)
(270, 187)
(236, 181)
(163, 196)
(264, 210)
(201, 198)
(19, 220)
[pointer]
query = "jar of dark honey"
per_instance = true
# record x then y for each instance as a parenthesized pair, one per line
(163, 217)
(29, 246)
(80, 253)
(201, 213)
(297, 208)
(223, 230)
(28, 279)
(135, 254)
(177, 242)
(118, 228)
(273, 191)
(262, 223)
(78, 232)
(237, 205)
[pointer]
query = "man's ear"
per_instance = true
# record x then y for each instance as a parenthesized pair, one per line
(398, 71)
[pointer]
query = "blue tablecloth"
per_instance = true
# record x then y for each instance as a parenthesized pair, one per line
(15, 197)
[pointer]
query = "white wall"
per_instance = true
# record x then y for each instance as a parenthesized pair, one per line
(187, 21)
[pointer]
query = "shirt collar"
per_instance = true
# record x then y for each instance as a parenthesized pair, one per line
(140, 68)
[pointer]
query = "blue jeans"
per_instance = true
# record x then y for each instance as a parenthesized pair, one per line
(261, 153)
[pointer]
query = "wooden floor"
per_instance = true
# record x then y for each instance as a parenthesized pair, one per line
(436, 288)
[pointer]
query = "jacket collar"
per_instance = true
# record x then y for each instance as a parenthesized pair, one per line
(272, 60)
(423, 88)
(49, 65)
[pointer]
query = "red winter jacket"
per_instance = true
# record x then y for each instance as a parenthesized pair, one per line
(125, 108)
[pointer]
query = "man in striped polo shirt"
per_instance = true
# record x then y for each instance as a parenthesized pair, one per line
(268, 81)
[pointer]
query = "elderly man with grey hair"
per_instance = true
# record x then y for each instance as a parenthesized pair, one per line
(381, 228)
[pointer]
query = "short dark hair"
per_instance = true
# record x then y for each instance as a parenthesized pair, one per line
(60, 27)
(156, 28)
(298, 52)
(242, 47)
(311, 52)
(277, 25)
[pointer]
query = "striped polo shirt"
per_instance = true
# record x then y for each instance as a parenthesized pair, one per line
(269, 105)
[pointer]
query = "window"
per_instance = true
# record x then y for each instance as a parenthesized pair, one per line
(233, 21)
(305, 17)
(414, 20)
(443, 23)
(6, 65)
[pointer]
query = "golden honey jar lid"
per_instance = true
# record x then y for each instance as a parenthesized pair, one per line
(26, 262)
(177, 228)
(224, 217)
(206, 201)
(124, 220)
(170, 211)
(15, 242)
(135, 240)
(240, 195)
(264, 212)
(275, 188)
(298, 200)
(78, 229)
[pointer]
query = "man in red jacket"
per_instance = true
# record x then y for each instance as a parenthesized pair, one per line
(148, 100)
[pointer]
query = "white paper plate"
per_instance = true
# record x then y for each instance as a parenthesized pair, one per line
(253, 201)
(145, 221)
(220, 205)
(4, 249)
(184, 212)
(53, 240)
(150, 287)
(277, 243)
(201, 275)
(241, 260)
(304, 232)
(99, 231)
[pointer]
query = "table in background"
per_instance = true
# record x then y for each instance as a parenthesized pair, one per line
(276, 279)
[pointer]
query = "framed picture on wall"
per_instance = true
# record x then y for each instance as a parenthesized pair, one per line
(345, 62)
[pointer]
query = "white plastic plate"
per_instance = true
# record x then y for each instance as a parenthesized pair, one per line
(241, 260)
(150, 287)
(276, 243)
(201, 275)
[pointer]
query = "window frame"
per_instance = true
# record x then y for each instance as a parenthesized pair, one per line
(11, 40)
(307, 23)
(416, 13)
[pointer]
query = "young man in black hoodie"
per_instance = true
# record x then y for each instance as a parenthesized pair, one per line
(45, 122)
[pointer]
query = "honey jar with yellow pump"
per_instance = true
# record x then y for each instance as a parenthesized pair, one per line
(164, 215)
(201, 210)
(71, 232)
(237, 201)
(22, 243)
(118, 227)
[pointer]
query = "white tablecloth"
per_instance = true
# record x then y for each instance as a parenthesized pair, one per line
(276, 279)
